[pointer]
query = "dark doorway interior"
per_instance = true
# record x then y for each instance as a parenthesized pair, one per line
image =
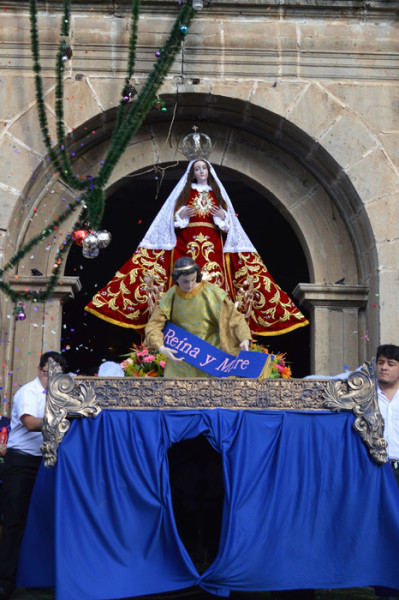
(87, 340)
(196, 480)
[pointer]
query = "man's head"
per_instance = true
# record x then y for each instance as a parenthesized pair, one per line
(186, 273)
(42, 370)
(389, 351)
(388, 365)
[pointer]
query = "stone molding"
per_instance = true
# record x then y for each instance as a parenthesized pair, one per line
(285, 42)
(365, 7)
(41, 330)
(337, 325)
(311, 295)
(67, 287)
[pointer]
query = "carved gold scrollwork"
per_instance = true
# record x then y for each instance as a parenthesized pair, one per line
(64, 398)
(87, 396)
(361, 399)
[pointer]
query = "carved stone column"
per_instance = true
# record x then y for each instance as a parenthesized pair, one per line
(337, 324)
(38, 333)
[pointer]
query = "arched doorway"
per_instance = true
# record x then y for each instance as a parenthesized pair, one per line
(129, 212)
(268, 154)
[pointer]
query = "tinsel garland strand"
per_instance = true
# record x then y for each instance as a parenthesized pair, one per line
(65, 171)
(39, 86)
(67, 12)
(18, 256)
(53, 226)
(147, 95)
(126, 125)
(95, 201)
(123, 105)
(133, 40)
(129, 119)
(43, 295)
(137, 114)
(61, 159)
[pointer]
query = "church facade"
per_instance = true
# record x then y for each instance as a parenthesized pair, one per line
(300, 99)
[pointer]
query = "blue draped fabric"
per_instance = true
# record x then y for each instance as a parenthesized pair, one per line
(304, 507)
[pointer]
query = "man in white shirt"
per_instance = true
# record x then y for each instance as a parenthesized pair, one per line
(388, 399)
(21, 464)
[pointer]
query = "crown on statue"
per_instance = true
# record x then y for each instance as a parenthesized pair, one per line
(197, 145)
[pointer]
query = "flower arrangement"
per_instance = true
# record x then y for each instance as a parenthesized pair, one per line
(141, 363)
(276, 368)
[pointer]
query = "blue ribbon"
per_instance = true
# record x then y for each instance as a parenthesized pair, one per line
(212, 360)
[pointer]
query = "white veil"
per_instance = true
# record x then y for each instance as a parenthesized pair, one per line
(161, 234)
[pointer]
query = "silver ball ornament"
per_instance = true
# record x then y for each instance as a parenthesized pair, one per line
(90, 253)
(90, 242)
(104, 238)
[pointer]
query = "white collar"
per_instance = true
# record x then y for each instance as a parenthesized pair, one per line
(201, 187)
(382, 394)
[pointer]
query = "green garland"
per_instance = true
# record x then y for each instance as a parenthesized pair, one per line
(43, 294)
(128, 121)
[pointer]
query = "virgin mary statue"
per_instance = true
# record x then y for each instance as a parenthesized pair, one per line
(197, 220)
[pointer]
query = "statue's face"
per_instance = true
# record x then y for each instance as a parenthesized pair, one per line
(187, 283)
(201, 172)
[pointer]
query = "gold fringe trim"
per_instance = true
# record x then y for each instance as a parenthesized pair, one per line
(188, 295)
(112, 321)
(227, 262)
(281, 332)
(172, 262)
(201, 225)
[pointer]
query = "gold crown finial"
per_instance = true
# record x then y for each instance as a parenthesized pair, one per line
(197, 145)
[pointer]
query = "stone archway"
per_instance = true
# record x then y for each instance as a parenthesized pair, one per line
(280, 161)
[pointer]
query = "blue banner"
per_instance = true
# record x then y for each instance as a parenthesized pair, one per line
(212, 360)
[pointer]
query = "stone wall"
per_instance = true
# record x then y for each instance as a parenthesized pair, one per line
(300, 98)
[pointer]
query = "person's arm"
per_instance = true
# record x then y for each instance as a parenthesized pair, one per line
(182, 217)
(31, 423)
(169, 353)
(235, 334)
(154, 334)
(244, 345)
(221, 218)
(3, 450)
(240, 327)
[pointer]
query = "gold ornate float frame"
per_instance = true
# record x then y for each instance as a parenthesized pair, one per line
(70, 397)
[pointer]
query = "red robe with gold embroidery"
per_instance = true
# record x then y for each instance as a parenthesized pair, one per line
(130, 297)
